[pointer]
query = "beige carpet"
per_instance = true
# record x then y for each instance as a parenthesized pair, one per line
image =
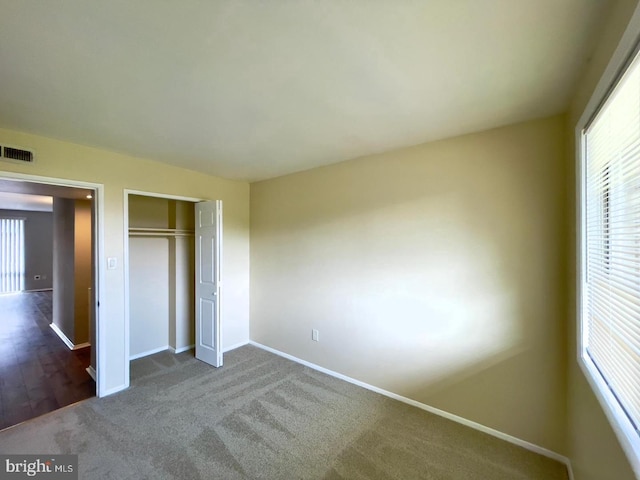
(264, 417)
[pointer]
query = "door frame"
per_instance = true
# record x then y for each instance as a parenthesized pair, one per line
(127, 324)
(98, 246)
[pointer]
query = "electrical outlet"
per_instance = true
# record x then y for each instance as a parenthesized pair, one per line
(315, 335)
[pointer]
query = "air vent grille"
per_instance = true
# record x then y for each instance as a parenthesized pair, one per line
(16, 154)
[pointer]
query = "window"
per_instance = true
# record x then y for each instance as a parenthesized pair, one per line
(11, 255)
(610, 253)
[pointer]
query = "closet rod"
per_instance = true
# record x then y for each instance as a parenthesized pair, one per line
(159, 234)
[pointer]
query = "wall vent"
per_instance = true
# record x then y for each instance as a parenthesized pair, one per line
(16, 154)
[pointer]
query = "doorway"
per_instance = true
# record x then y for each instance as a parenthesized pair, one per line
(49, 333)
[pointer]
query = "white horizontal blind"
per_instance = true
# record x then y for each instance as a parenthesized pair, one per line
(11, 255)
(611, 288)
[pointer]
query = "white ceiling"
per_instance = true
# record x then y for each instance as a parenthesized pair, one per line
(21, 201)
(253, 89)
(23, 195)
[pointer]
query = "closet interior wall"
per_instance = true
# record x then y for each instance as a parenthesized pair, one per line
(161, 275)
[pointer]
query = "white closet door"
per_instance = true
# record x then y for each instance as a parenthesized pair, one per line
(208, 238)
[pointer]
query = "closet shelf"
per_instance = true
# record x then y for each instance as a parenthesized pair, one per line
(159, 232)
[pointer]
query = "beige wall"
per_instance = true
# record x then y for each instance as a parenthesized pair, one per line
(434, 272)
(117, 172)
(63, 266)
(593, 448)
(150, 283)
(82, 269)
(38, 247)
(72, 244)
(182, 310)
(149, 289)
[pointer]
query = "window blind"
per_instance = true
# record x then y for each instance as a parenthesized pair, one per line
(11, 255)
(611, 278)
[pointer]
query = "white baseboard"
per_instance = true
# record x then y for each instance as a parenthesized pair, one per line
(191, 347)
(233, 347)
(111, 391)
(148, 352)
(181, 349)
(92, 372)
(66, 340)
(62, 336)
(468, 423)
(39, 290)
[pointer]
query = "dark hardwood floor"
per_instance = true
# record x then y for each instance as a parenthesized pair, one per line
(38, 372)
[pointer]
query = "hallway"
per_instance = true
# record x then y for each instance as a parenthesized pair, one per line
(38, 373)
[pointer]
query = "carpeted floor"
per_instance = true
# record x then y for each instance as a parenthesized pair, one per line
(264, 417)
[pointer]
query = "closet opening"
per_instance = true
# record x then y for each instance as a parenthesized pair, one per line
(166, 248)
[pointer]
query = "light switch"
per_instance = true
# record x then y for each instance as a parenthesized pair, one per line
(112, 263)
